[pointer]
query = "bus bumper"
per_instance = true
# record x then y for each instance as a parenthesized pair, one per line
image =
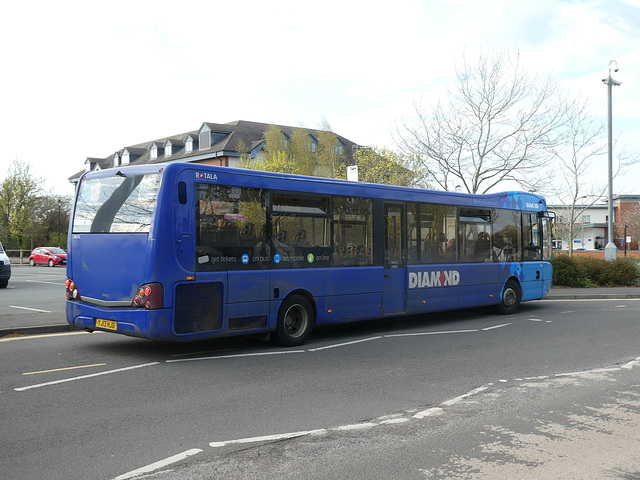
(130, 321)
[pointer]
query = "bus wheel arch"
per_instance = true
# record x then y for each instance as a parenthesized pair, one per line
(296, 319)
(510, 297)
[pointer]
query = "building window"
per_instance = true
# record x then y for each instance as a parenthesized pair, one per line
(168, 149)
(205, 140)
(188, 146)
(586, 218)
(153, 152)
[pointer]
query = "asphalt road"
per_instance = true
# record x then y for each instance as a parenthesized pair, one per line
(35, 297)
(455, 395)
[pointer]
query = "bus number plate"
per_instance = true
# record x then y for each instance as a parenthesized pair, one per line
(108, 324)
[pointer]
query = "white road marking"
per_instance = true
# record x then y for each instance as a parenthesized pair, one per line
(429, 412)
(588, 300)
(72, 379)
(158, 465)
(240, 355)
(31, 309)
(267, 438)
(453, 401)
(355, 427)
(496, 326)
(60, 284)
(346, 344)
(394, 421)
(66, 368)
(46, 335)
(631, 364)
(419, 334)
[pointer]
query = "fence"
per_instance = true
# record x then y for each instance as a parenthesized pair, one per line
(19, 257)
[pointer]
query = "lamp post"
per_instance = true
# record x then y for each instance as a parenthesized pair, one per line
(610, 251)
(59, 205)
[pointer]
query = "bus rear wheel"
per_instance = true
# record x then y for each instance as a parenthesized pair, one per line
(295, 321)
(511, 296)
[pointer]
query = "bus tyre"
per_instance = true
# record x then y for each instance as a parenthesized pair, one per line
(511, 296)
(295, 321)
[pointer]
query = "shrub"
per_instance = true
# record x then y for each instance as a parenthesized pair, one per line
(596, 270)
(625, 271)
(565, 271)
(592, 272)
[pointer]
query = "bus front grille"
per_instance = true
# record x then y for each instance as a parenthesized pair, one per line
(198, 307)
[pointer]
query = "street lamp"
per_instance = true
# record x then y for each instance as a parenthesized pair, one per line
(610, 251)
(59, 205)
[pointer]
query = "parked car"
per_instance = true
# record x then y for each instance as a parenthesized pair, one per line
(51, 256)
(5, 268)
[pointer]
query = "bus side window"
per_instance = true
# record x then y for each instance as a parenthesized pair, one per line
(507, 235)
(532, 247)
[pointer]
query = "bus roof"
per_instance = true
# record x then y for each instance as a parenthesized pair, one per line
(515, 200)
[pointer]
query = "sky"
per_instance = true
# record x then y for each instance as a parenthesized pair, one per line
(85, 79)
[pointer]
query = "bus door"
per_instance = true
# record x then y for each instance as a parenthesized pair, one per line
(394, 263)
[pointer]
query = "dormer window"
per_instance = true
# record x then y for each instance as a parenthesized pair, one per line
(116, 160)
(205, 138)
(125, 157)
(168, 147)
(153, 151)
(188, 144)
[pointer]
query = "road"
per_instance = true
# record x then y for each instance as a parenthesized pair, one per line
(455, 395)
(35, 297)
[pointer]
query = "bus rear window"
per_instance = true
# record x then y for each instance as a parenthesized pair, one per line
(116, 204)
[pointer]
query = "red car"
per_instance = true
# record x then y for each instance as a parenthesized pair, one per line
(51, 256)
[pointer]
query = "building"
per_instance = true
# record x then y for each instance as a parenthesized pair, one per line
(590, 226)
(212, 144)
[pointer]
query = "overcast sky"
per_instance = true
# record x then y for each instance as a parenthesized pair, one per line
(85, 79)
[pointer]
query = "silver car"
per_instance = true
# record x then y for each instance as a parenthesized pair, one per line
(5, 268)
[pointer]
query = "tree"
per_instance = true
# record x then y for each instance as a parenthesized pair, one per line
(496, 125)
(295, 155)
(574, 160)
(276, 158)
(380, 165)
(18, 199)
(52, 220)
(300, 151)
(329, 156)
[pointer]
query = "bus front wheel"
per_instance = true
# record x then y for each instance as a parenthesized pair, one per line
(511, 296)
(295, 321)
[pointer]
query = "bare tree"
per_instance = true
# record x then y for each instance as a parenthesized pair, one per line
(574, 160)
(495, 125)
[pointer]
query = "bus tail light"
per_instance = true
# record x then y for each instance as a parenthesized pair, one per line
(148, 296)
(72, 290)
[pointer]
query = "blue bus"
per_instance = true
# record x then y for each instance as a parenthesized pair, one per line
(184, 252)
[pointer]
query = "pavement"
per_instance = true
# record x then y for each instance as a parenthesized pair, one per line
(42, 324)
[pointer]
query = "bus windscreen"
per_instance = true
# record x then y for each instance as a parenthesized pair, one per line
(116, 204)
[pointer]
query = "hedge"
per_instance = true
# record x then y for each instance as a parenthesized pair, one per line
(594, 272)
